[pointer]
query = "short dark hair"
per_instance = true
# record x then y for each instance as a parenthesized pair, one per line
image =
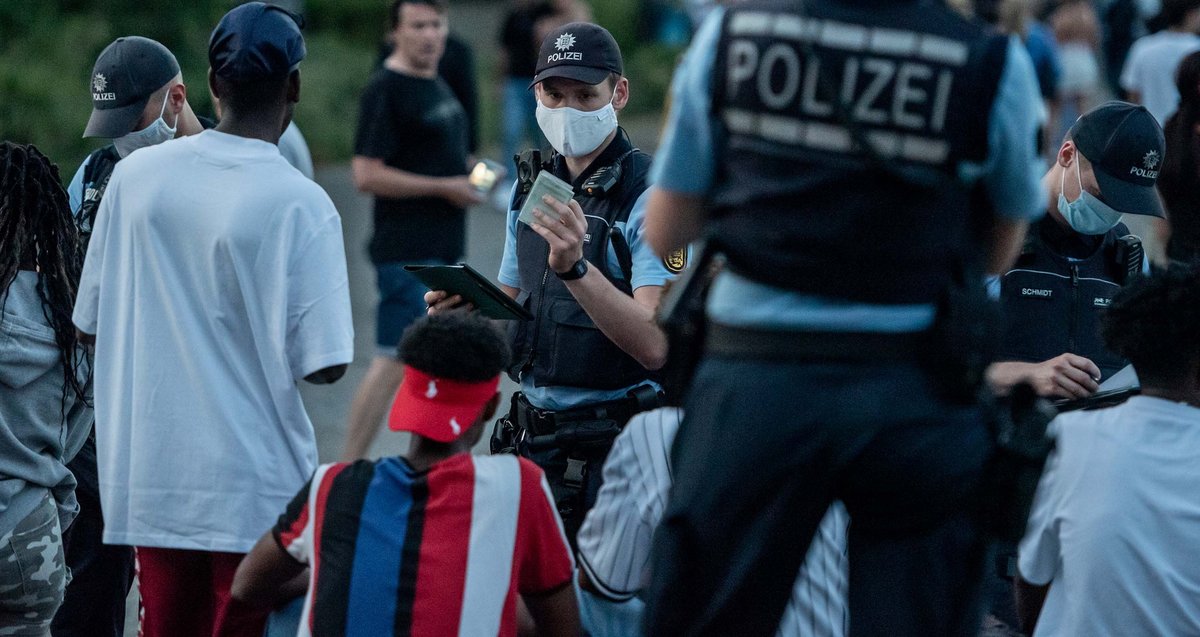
(461, 346)
(1154, 321)
(438, 5)
(246, 97)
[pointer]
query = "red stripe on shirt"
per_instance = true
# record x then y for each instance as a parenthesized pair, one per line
(295, 529)
(318, 522)
(542, 558)
(442, 569)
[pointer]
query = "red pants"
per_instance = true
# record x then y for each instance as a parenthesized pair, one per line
(186, 594)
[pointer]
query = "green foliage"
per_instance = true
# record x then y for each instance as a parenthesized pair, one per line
(48, 47)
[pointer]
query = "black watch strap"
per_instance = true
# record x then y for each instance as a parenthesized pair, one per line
(576, 272)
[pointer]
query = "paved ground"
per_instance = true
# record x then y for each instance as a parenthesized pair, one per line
(328, 405)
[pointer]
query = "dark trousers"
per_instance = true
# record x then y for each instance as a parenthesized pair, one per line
(763, 450)
(572, 502)
(101, 574)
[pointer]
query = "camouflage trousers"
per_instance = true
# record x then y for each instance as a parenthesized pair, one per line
(33, 574)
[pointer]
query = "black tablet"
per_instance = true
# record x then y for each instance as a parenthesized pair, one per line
(464, 281)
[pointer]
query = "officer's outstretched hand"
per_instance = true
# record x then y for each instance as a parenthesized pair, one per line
(440, 301)
(563, 227)
(1064, 376)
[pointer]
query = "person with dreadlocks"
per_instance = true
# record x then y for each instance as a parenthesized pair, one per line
(45, 387)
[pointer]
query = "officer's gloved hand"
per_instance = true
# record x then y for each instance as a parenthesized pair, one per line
(1064, 376)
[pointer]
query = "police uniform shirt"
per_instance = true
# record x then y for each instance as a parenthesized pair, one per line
(647, 269)
(685, 163)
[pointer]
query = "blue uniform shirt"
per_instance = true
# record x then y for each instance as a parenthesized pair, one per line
(648, 269)
(685, 163)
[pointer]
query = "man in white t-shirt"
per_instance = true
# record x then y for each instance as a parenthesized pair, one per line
(1115, 524)
(1148, 77)
(615, 541)
(215, 281)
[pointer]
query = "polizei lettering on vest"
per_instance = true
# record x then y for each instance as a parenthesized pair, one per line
(880, 91)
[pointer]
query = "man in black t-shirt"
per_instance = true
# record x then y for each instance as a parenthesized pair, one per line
(411, 153)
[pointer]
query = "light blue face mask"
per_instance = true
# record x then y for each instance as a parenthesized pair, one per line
(1087, 214)
(156, 133)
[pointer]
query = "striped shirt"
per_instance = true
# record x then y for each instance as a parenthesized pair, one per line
(615, 540)
(445, 551)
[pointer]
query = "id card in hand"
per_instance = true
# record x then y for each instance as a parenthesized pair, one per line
(545, 184)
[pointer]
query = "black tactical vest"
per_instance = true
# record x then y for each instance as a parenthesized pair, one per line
(796, 203)
(1052, 305)
(95, 181)
(562, 345)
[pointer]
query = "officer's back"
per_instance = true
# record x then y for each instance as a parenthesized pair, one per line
(847, 145)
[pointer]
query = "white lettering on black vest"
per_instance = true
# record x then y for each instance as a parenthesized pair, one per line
(891, 79)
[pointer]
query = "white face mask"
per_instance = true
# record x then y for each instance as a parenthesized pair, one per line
(156, 133)
(1087, 214)
(575, 133)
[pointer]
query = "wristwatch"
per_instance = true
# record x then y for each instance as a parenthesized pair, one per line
(576, 272)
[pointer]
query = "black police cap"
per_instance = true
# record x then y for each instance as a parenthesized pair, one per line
(127, 72)
(1125, 145)
(579, 51)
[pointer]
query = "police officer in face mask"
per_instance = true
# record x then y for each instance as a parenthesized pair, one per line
(1080, 254)
(582, 268)
(138, 100)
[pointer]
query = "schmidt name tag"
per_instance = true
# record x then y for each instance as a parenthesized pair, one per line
(1037, 293)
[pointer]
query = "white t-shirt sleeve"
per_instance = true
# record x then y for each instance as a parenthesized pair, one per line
(1039, 553)
(615, 539)
(320, 328)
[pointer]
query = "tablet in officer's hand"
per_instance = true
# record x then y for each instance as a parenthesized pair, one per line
(545, 184)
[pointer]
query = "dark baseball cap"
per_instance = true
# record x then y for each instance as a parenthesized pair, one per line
(1125, 145)
(127, 72)
(579, 51)
(256, 41)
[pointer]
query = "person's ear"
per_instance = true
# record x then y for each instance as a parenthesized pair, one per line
(293, 89)
(621, 94)
(489, 409)
(176, 98)
(212, 86)
(1067, 154)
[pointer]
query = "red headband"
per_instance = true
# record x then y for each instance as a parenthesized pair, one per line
(438, 408)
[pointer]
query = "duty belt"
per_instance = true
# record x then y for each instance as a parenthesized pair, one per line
(542, 422)
(797, 346)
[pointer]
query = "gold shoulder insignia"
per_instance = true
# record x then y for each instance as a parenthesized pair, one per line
(676, 260)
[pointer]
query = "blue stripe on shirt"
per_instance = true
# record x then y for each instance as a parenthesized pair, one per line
(377, 554)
